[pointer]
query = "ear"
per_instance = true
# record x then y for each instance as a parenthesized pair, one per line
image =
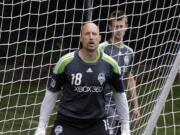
(126, 26)
(80, 38)
(110, 28)
(99, 38)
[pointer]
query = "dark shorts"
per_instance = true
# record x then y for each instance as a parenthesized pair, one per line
(87, 127)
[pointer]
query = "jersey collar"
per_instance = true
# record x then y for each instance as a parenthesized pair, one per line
(92, 61)
(118, 46)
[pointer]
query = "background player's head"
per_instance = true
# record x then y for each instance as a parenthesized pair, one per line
(90, 36)
(118, 24)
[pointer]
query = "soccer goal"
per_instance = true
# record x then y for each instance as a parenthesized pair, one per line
(34, 34)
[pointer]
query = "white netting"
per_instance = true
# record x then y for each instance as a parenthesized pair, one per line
(34, 34)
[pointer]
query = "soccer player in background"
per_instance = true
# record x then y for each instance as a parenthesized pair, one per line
(82, 76)
(114, 47)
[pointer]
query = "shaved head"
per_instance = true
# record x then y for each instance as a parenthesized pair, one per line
(90, 36)
(90, 25)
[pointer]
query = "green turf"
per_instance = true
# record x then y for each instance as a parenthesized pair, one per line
(170, 120)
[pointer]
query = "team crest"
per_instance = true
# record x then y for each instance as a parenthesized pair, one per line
(101, 78)
(120, 53)
(58, 130)
(53, 83)
(126, 60)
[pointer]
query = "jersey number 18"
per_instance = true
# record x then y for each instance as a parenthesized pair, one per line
(76, 79)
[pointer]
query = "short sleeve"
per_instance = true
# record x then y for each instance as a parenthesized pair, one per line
(55, 82)
(116, 83)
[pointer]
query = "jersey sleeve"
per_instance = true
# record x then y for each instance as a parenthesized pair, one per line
(56, 82)
(102, 46)
(58, 76)
(115, 81)
(130, 68)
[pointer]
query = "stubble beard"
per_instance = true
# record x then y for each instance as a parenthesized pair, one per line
(91, 49)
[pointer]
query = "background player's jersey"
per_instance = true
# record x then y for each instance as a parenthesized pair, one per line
(83, 84)
(123, 55)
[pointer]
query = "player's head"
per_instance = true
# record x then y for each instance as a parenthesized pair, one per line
(118, 24)
(90, 36)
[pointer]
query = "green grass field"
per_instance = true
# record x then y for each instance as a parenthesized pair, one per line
(172, 115)
(20, 104)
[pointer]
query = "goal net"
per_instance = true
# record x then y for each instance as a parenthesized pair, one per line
(34, 34)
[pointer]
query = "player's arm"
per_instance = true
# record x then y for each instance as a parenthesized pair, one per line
(131, 83)
(120, 100)
(132, 87)
(134, 96)
(119, 95)
(47, 106)
(123, 111)
(49, 101)
(102, 46)
(121, 104)
(50, 97)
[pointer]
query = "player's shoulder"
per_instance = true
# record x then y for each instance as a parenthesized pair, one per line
(67, 56)
(63, 62)
(128, 48)
(103, 45)
(108, 59)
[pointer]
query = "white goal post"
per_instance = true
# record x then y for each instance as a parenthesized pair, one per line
(163, 96)
(34, 34)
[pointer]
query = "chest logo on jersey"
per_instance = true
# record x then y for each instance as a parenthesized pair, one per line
(101, 78)
(89, 70)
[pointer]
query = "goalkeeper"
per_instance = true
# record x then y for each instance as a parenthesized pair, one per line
(83, 76)
(118, 24)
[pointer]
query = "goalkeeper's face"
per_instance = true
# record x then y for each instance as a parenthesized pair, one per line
(90, 37)
(118, 29)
